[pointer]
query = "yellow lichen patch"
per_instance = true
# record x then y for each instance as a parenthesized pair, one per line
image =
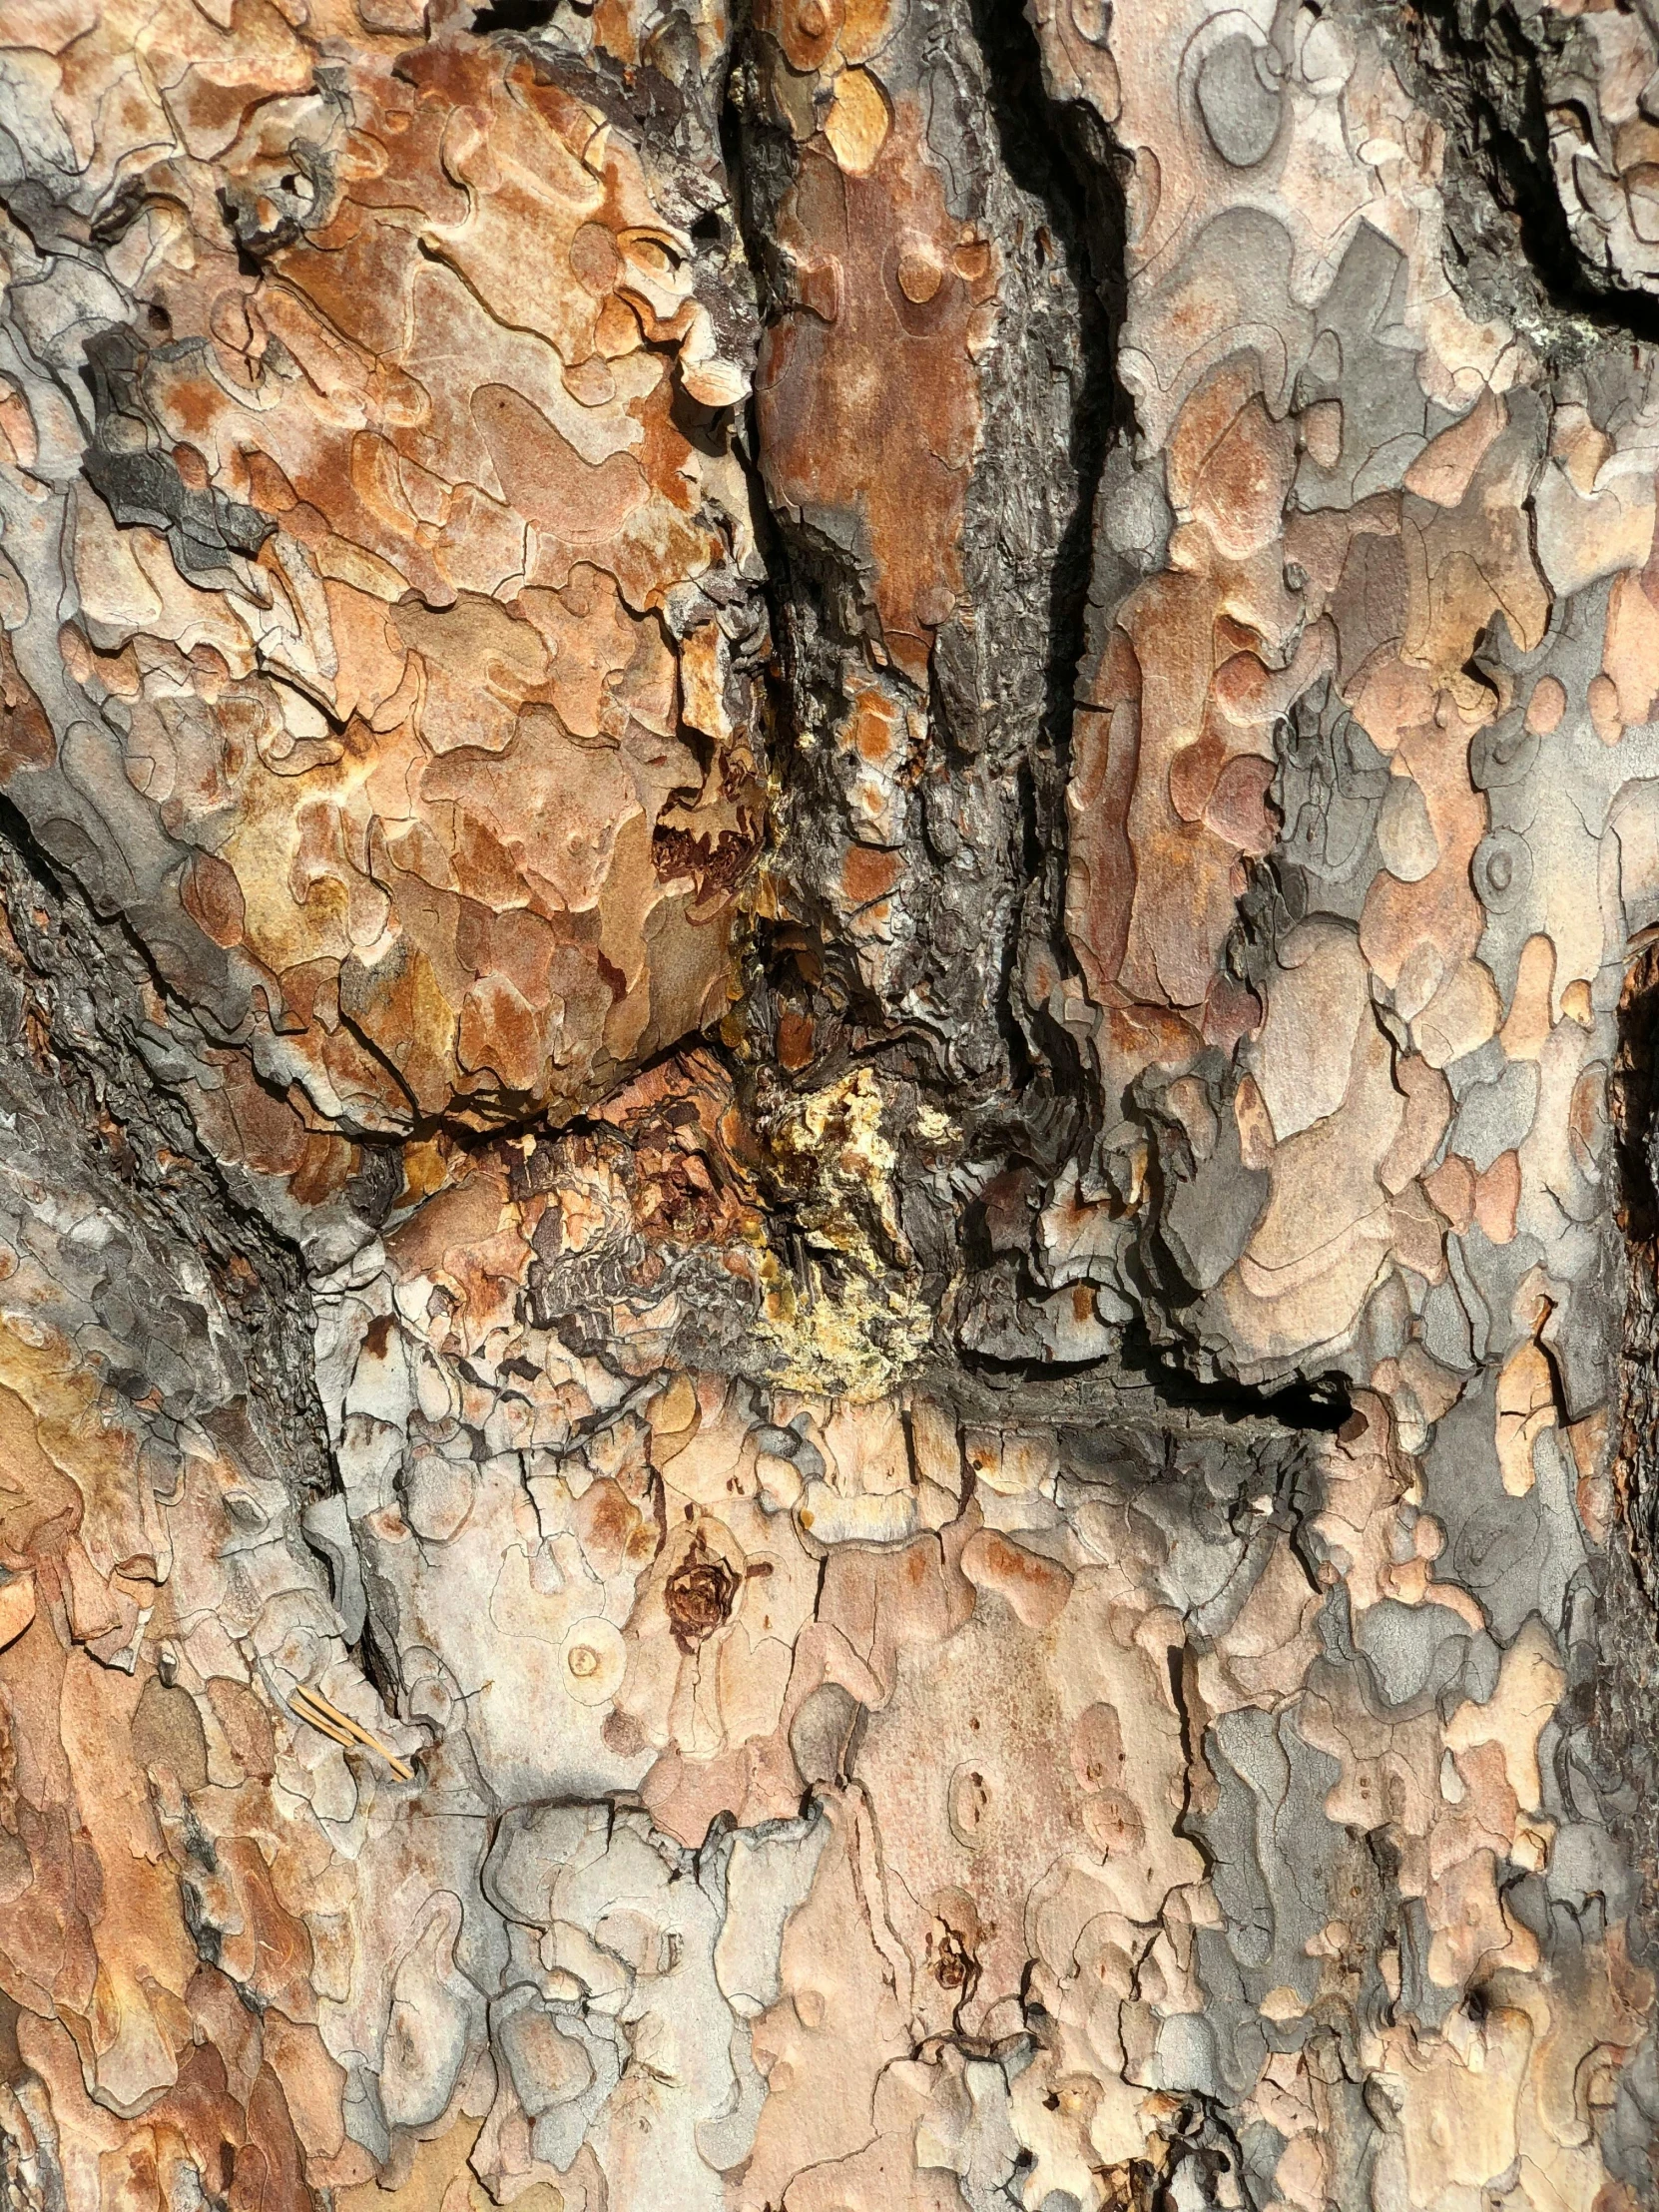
(855, 1338)
(855, 1320)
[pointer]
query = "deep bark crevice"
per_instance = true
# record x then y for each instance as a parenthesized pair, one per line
(1479, 63)
(1634, 1104)
(1030, 1113)
(73, 955)
(1620, 1698)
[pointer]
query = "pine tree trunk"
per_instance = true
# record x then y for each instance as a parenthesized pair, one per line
(830, 1113)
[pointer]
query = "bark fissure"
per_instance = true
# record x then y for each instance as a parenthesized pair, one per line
(1495, 72)
(81, 976)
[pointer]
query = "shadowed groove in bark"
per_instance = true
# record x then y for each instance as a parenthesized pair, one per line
(1319, 1407)
(1058, 152)
(168, 1176)
(1032, 1113)
(1636, 1115)
(514, 15)
(1623, 1697)
(1479, 63)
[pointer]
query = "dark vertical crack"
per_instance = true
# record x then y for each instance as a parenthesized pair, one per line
(1057, 150)
(1486, 67)
(1625, 1693)
(1058, 153)
(1634, 1103)
(1043, 178)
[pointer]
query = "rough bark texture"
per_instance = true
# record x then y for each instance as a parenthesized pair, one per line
(829, 1109)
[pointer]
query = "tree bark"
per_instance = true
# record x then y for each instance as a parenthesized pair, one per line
(828, 1135)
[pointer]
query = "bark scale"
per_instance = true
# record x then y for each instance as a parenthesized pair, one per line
(827, 1244)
